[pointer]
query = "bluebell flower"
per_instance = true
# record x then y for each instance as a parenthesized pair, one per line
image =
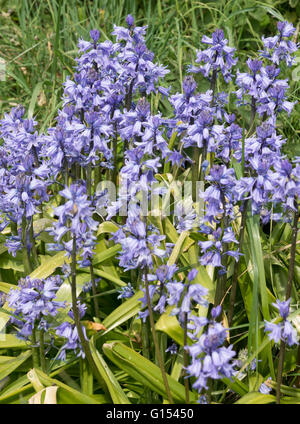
(213, 249)
(173, 349)
(202, 400)
(130, 20)
(192, 274)
(264, 388)
(210, 360)
(24, 176)
(283, 330)
(33, 301)
(126, 292)
(75, 219)
(283, 307)
(218, 57)
(278, 48)
(68, 331)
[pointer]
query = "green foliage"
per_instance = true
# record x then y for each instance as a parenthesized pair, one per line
(43, 36)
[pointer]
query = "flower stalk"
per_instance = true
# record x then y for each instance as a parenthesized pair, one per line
(291, 273)
(83, 340)
(154, 336)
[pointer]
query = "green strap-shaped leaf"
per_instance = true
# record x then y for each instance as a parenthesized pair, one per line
(9, 262)
(286, 390)
(14, 389)
(256, 398)
(236, 385)
(68, 394)
(106, 254)
(107, 227)
(9, 341)
(124, 312)
(86, 377)
(5, 287)
(109, 277)
(116, 392)
(36, 91)
(177, 248)
(9, 364)
(49, 266)
(259, 286)
(189, 257)
(144, 371)
(257, 258)
(22, 387)
(169, 325)
(289, 400)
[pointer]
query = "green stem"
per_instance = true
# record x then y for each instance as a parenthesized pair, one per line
(222, 279)
(203, 158)
(35, 349)
(56, 44)
(42, 351)
(154, 336)
(14, 228)
(97, 177)
(26, 253)
(186, 361)
(253, 113)
(33, 246)
(195, 170)
(89, 180)
(213, 84)
(146, 353)
(94, 291)
(42, 244)
(115, 150)
(237, 263)
(280, 370)
(84, 342)
(291, 273)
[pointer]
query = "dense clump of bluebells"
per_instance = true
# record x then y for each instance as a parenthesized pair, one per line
(33, 302)
(106, 109)
(24, 177)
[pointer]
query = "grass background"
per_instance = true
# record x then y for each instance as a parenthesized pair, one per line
(38, 42)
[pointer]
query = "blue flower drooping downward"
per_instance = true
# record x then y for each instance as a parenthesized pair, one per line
(284, 330)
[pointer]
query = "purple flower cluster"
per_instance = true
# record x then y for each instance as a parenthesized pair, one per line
(210, 359)
(33, 301)
(97, 104)
(218, 57)
(126, 292)
(163, 284)
(213, 249)
(140, 242)
(284, 330)
(75, 221)
(68, 331)
(24, 176)
(279, 48)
